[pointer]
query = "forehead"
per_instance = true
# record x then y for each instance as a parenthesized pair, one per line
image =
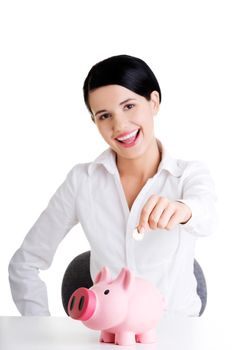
(107, 96)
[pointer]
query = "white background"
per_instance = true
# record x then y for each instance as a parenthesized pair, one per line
(47, 48)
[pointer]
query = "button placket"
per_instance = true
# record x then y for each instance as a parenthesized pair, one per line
(126, 213)
(133, 220)
(132, 217)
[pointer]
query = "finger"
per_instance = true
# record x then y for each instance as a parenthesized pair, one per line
(166, 216)
(174, 220)
(146, 211)
(156, 213)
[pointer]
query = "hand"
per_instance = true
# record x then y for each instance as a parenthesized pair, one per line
(160, 212)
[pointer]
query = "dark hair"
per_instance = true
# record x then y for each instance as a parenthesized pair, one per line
(127, 71)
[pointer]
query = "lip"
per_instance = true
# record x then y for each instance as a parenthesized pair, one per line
(132, 144)
(125, 134)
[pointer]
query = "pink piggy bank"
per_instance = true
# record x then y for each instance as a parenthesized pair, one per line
(126, 309)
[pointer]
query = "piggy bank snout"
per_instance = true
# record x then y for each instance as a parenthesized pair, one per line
(82, 304)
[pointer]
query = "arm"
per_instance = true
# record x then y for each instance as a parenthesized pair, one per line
(199, 195)
(195, 210)
(38, 248)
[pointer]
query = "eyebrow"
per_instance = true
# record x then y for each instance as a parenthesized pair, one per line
(121, 103)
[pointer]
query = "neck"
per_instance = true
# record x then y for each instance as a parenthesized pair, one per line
(143, 167)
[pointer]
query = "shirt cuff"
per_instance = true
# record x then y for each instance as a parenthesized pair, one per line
(191, 224)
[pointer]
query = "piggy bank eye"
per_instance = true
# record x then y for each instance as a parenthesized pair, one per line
(107, 291)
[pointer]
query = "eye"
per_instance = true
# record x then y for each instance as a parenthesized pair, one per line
(106, 291)
(129, 106)
(104, 116)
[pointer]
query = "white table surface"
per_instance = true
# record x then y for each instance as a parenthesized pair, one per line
(63, 333)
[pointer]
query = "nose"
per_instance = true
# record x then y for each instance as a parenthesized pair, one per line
(119, 123)
(82, 304)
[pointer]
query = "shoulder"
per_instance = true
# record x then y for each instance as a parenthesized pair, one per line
(79, 169)
(194, 168)
(78, 173)
(105, 162)
(189, 167)
(188, 173)
(196, 174)
(180, 168)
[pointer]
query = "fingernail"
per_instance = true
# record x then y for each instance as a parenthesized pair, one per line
(141, 229)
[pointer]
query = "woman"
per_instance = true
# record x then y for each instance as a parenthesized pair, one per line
(135, 183)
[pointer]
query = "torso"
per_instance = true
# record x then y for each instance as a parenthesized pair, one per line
(132, 188)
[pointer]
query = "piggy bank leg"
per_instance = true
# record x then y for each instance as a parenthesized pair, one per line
(107, 337)
(147, 337)
(125, 338)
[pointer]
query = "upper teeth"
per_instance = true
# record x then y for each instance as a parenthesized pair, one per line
(127, 136)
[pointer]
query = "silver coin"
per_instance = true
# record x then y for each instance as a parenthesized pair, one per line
(138, 236)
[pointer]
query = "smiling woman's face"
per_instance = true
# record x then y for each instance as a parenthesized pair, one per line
(124, 119)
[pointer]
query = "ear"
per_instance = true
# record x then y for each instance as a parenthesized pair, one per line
(103, 276)
(125, 278)
(155, 103)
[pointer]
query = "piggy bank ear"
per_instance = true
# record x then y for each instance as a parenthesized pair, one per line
(125, 278)
(103, 276)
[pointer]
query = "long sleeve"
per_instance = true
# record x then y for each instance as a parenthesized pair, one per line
(199, 195)
(38, 248)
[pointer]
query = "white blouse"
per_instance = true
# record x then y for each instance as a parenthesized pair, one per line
(93, 196)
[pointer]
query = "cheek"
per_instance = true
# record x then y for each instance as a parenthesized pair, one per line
(106, 135)
(143, 116)
(102, 130)
(146, 122)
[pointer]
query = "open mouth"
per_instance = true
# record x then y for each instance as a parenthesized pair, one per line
(130, 138)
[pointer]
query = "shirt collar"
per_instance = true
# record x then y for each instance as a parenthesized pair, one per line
(168, 163)
(108, 160)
